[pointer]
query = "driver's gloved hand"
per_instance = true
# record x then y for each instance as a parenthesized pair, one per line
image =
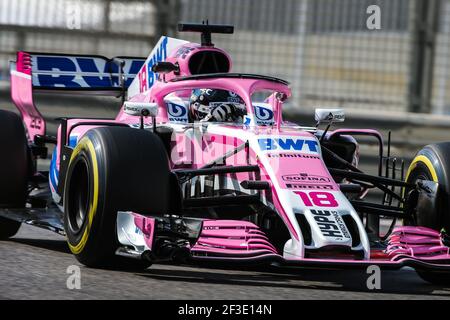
(223, 112)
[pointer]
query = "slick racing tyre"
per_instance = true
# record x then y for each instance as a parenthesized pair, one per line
(112, 169)
(433, 163)
(14, 168)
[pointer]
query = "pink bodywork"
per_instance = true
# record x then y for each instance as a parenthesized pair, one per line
(418, 242)
(232, 239)
(236, 240)
(147, 226)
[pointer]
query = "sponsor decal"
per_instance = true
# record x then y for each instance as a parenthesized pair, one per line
(176, 112)
(263, 114)
(147, 77)
(304, 177)
(229, 100)
(335, 116)
(308, 186)
(318, 199)
(81, 72)
(183, 52)
(292, 155)
(235, 99)
(36, 123)
(288, 144)
(306, 181)
(131, 108)
(330, 224)
(208, 92)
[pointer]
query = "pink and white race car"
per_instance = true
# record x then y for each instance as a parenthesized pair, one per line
(199, 166)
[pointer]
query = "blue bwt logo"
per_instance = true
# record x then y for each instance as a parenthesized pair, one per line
(160, 55)
(176, 112)
(288, 144)
(82, 72)
(263, 114)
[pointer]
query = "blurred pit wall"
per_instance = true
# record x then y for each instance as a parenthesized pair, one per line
(331, 57)
(323, 47)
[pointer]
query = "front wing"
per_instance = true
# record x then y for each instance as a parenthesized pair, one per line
(242, 242)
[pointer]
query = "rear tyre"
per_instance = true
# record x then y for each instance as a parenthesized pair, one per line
(14, 166)
(433, 163)
(112, 169)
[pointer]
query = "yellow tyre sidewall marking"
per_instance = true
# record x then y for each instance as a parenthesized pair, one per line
(86, 144)
(426, 162)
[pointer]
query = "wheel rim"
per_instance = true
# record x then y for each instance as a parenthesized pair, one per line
(79, 196)
(419, 173)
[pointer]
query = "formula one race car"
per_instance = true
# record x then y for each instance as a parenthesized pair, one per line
(199, 166)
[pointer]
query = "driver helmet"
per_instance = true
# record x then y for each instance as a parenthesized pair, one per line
(216, 105)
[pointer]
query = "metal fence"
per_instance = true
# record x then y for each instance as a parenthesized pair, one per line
(323, 47)
(326, 50)
(105, 27)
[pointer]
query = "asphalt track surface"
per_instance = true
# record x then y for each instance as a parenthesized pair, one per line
(33, 265)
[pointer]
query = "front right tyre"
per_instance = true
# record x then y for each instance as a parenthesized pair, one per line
(112, 169)
(433, 163)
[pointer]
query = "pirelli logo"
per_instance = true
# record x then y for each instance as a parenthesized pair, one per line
(308, 186)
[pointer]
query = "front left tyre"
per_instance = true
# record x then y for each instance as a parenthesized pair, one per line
(112, 169)
(14, 168)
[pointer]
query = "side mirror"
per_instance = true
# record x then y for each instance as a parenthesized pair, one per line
(166, 67)
(329, 115)
(141, 109)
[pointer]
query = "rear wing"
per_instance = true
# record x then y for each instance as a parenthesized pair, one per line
(65, 73)
(82, 73)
